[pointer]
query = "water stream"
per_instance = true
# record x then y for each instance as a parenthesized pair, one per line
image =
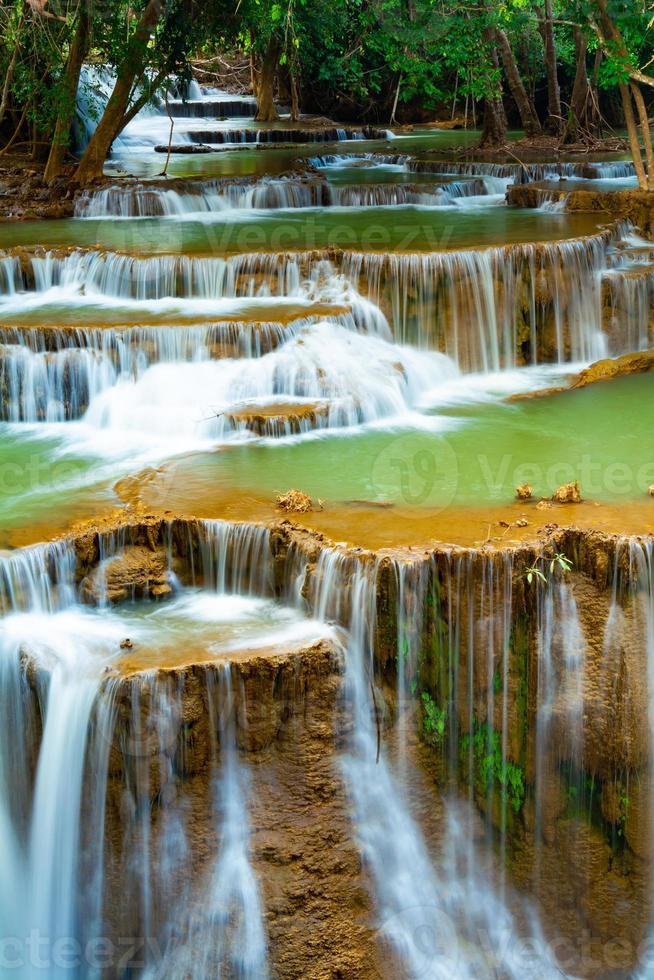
(476, 724)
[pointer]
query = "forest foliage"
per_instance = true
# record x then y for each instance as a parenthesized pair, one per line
(571, 69)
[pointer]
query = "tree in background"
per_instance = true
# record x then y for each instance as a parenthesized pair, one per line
(557, 66)
(622, 32)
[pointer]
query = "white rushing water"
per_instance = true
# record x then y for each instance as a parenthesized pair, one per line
(51, 834)
(479, 306)
(151, 125)
(439, 913)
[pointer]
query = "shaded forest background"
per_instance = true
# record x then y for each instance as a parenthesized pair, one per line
(571, 72)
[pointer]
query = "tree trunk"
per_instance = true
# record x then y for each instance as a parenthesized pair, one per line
(494, 130)
(609, 30)
(554, 122)
(645, 131)
(528, 117)
(76, 55)
(11, 68)
(265, 84)
(92, 163)
(579, 108)
(495, 125)
(295, 98)
(632, 130)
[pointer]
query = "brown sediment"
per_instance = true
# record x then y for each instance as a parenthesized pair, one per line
(61, 522)
(172, 658)
(366, 524)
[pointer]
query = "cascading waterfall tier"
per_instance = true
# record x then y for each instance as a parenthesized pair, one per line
(485, 309)
(527, 691)
(266, 136)
(188, 198)
(532, 698)
(224, 108)
(112, 743)
(520, 173)
(54, 374)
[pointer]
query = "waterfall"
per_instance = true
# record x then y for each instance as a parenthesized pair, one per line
(613, 170)
(629, 289)
(200, 105)
(53, 839)
(525, 172)
(435, 298)
(220, 137)
(145, 200)
(478, 306)
(441, 917)
(11, 279)
(95, 87)
(225, 932)
(329, 160)
(386, 195)
(151, 125)
(211, 400)
(55, 376)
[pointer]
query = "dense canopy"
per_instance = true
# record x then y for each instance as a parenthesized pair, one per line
(573, 70)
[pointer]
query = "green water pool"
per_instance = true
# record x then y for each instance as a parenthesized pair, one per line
(46, 483)
(601, 436)
(398, 228)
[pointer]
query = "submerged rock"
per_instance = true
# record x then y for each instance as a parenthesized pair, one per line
(524, 492)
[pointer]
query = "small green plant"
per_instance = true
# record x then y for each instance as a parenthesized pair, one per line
(559, 560)
(564, 563)
(433, 720)
(623, 806)
(534, 572)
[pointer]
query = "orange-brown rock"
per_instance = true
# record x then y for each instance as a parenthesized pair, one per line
(137, 571)
(295, 502)
(278, 419)
(568, 493)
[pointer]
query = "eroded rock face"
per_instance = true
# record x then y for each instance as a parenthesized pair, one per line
(545, 724)
(552, 728)
(288, 719)
(136, 572)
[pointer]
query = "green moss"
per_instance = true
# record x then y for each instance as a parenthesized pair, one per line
(491, 770)
(520, 648)
(433, 720)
